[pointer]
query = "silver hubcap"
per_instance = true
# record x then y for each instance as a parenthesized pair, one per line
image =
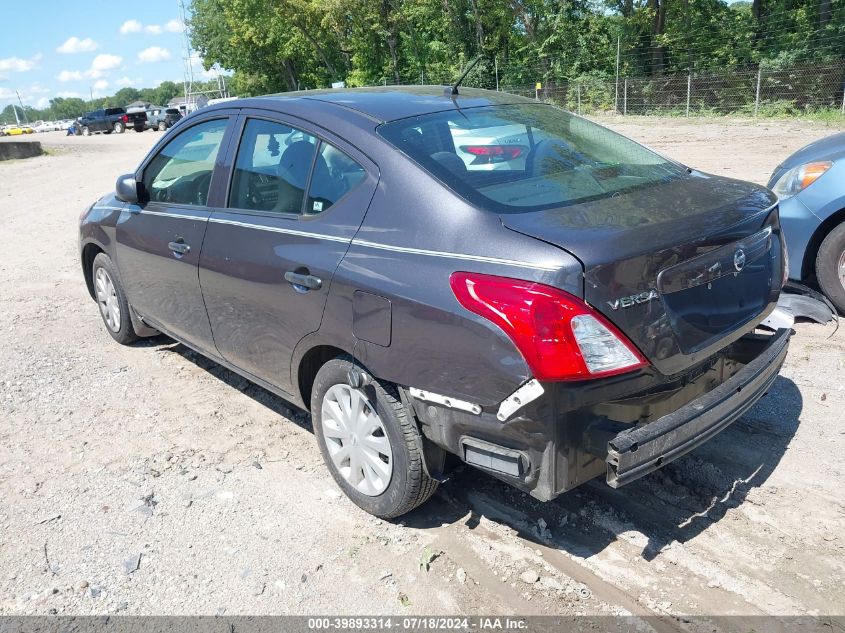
(356, 440)
(841, 268)
(107, 298)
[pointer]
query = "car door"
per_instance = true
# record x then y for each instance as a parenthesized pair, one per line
(159, 241)
(296, 198)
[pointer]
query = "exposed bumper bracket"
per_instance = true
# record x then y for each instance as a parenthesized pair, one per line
(643, 449)
(528, 392)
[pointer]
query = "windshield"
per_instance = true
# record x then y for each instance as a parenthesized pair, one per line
(518, 158)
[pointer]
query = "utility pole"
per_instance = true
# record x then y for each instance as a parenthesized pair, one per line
(757, 97)
(616, 94)
(91, 94)
(496, 66)
(25, 120)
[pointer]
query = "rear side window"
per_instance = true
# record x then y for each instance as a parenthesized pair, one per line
(181, 172)
(272, 167)
(275, 164)
(335, 174)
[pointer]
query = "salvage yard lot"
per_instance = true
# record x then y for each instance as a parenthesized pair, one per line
(148, 480)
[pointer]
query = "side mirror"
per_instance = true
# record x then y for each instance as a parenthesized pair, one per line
(126, 189)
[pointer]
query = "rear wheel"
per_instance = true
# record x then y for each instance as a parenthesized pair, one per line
(118, 127)
(162, 126)
(830, 267)
(114, 308)
(369, 442)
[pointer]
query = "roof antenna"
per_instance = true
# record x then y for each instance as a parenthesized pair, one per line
(452, 91)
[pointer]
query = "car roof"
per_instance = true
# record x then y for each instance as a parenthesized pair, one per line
(386, 103)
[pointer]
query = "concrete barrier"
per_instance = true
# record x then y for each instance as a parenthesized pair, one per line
(20, 149)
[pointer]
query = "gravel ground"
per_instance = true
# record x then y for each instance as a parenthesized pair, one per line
(148, 480)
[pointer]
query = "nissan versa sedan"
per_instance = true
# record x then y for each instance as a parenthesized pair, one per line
(590, 310)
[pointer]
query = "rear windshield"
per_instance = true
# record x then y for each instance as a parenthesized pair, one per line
(518, 158)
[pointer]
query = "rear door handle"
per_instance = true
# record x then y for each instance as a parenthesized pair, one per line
(179, 247)
(304, 281)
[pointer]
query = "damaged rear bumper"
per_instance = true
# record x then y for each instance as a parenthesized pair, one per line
(643, 449)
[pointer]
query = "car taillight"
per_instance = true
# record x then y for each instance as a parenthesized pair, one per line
(125, 118)
(493, 153)
(560, 336)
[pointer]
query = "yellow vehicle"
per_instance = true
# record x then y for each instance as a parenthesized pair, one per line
(17, 130)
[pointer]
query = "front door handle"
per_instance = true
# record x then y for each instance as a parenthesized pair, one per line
(304, 281)
(179, 247)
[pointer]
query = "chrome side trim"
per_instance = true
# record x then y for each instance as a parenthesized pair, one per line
(276, 229)
(178, 216)
(363, 243)
(528, 392)
(106, 208)
(461, 256)
(452, 403)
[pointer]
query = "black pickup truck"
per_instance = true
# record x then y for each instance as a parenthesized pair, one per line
(108, 120)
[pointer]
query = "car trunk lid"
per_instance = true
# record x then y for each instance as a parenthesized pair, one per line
(683, 268)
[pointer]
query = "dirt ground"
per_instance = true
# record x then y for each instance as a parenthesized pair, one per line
(148, 480)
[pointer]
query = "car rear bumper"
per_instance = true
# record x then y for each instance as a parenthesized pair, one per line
(624, 428)
(643, 449)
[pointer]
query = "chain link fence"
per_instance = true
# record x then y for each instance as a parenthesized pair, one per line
(750, 91)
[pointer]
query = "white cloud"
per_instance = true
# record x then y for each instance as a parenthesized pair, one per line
(42, 103)
(102, 84)
(76, 45)
(3, 77)
(106, 62)
(128, 81)
(69, 94)
(134, 26)
(154, 54)
(5, 93)
(18, 65)
(131, 26)
(69, 75)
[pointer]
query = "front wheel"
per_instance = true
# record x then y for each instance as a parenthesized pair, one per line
(86, 131)
(830, 267)
(114, 308)
(369, 442)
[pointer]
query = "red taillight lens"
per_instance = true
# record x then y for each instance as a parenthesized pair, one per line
(125, 118)
(493, 153)
(560, 336)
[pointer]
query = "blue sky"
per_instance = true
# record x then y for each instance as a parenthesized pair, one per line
(60, 49)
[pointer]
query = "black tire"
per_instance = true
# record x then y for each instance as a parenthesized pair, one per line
(119, 128)
(162, 126)
(828, 262)
(86, 131)
(410, 486)
(125, 333)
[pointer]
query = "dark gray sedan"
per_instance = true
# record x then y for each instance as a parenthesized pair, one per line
(586, 307)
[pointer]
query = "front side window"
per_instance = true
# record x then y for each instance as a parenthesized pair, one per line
(518, 158)
(181, 172)
(272, 167)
